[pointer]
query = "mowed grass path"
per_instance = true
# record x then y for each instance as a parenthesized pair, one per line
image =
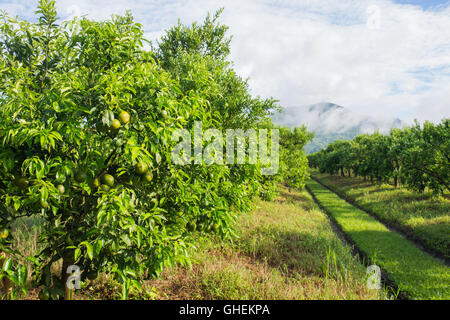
(420, 216)
(415, 273)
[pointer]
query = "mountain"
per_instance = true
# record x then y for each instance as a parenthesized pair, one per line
(332, 122)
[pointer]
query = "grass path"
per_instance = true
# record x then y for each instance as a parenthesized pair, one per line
(416, 274)
(421, 217)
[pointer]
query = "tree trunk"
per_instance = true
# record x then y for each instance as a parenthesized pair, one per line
(68, 293)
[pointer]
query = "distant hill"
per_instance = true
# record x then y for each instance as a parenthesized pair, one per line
(321, 140)
(331, 122)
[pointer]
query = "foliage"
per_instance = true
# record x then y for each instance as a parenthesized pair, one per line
(196, 56)
(418, 157)
(87, 117)
(293, 160)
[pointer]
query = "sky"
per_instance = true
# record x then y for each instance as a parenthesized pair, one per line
(377, 57)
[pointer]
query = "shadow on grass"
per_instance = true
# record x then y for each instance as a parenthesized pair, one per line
(294, 196)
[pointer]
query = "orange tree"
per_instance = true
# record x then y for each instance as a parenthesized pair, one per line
(197, 56)
(86, 122)
(293, 160)
(418, 156)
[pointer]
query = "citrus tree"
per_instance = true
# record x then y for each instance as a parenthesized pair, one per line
(197, 56)
(425, 156)
(418, 156)
(293, 161)
(87, 117)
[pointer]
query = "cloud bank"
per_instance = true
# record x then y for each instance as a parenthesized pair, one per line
(371, 56)
(331, 118)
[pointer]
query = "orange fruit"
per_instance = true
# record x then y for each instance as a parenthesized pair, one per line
(4, 234)
(108, 180)
(21, 182)
(104, 187)
(96, 183)
(141, 168)
(44, 204)
(44, 295)
(148, 176)
(115, 125)
(80, 176)
(124, 117)
(61, 189)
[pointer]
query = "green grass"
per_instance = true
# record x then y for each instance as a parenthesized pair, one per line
(286, 250)
(421, 216)
(414, 272)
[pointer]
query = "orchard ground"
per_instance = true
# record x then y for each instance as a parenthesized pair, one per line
(286, 249)
(414, 273)
(422, 217)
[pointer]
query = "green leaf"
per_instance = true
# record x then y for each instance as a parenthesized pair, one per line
(90, 251)
(108, 117)
(77, 254)
(7, 264)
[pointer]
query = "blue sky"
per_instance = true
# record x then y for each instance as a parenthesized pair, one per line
(426, 4)
(379, 57)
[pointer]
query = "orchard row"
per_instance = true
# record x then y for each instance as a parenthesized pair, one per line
(417, 157)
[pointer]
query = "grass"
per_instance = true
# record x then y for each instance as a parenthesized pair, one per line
(26, 232)
(286, 250)
(421, 216)
(415, 273)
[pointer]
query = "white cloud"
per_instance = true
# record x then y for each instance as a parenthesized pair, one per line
(372, 56)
